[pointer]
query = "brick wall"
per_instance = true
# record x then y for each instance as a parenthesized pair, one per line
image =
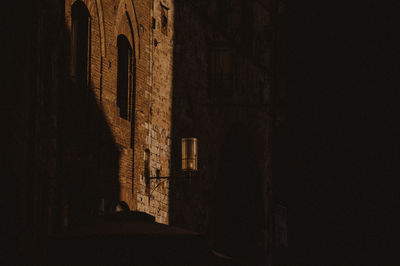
(154, 198)
(150, 127)
(79, 150)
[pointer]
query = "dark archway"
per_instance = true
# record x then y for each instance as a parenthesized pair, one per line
(239, 207)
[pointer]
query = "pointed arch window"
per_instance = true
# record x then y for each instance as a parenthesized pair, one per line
(125, 79)
(80, 43)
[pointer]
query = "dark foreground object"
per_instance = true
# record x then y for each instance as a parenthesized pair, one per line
(130, 239)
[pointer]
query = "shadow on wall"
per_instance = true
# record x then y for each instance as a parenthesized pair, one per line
(224, 199)
(88, 155)
(186, 205)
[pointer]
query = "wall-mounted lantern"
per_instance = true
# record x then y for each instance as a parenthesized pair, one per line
(189, 159)
(189, 154)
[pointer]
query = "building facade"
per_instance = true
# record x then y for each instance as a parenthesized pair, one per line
(100, 94)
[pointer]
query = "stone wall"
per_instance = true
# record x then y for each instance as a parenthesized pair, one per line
(150, 127)
(222, 95)
(153, 195)
(78, 153)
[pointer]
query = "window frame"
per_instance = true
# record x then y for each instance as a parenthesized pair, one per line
(125, 78)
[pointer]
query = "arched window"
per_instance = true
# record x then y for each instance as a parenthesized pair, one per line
(80, 43)
(125, 83)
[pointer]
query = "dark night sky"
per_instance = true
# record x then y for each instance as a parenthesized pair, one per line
(341, 60)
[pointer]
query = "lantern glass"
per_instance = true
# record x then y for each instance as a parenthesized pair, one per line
(189, 154)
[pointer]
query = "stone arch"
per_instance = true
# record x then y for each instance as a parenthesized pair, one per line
(126, 8)
(96, 10)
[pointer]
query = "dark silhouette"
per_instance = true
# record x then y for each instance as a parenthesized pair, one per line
(238, 218)
(336, 157)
